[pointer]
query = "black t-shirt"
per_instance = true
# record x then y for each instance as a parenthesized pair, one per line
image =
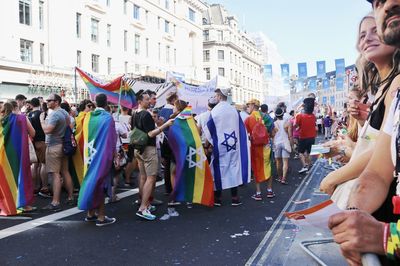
(144, 122)
(34, 118)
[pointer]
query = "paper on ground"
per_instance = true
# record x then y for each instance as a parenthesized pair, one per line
(319, 149)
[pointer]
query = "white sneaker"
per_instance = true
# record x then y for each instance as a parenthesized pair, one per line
(303, 170)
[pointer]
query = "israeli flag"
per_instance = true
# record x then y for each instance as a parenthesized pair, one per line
(230, 163)
(302, 70)
(321, 69)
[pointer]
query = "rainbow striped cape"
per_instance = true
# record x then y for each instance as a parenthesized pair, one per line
(99, 140)
(111, 89)
(16, 188)
(193, 180)
(76, 161)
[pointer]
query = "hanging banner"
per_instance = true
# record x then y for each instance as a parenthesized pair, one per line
(312, 85)
(285, 73)
(332, 100)
(268, 72)
(321, 70)
(324, 100)
(340, 67)
(299, 85)
(325, 84)
(302, 70)
(339, 83)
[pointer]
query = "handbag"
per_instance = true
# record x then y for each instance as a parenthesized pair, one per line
(32, 152)
(69, 142)
(137, 137)
(120, 159)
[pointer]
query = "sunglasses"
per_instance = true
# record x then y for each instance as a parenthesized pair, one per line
(50, 100)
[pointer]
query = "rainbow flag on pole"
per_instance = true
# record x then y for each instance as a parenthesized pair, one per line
(99, 140)
(16, 188)
(111, 89)
(76, 161)
(193, 180)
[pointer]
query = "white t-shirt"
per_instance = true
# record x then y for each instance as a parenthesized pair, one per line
(120, 130)
(202, 120)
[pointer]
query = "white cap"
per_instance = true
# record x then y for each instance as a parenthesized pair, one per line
(225, 91)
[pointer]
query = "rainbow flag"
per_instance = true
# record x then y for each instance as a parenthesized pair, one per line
(99, 140)
(76, 161)
(193, 180)
(16, 188)
(111, 89)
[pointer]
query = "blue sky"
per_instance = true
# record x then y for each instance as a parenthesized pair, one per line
(305, 31)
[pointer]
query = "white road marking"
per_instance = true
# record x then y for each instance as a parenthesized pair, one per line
(13, 230)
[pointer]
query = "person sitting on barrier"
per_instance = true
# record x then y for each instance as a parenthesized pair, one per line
(386, 60)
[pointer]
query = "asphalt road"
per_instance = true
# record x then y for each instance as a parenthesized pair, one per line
(198, 236)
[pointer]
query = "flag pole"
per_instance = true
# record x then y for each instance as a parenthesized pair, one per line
(76, 88)
(119, 99)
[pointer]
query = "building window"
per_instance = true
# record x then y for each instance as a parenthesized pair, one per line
(95, 30)
(125, 40)
(78, 58)
(166, 26)
(220, 35)
(206, 55)
(78, 25)
(206, 35)
(192, 15)
(221, 55)
(41, 15)
(166, 4)
(25, 12)
(208, 73)
(136, 12)
(159, 52)
(147, 47)
(26, 50)
(175, 56)
(95, 63)
(167, 55)
(109, 65)
(126, 67)
(137, 44)
(42, 53)
(125, 6)
(221, 71)
(108, 35)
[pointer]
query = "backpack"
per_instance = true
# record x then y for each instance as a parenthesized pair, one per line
(137, 137)
(69, 142)
(259, 134)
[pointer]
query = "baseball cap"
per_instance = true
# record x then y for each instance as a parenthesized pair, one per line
(225, 91)
(279, 112)
(254, 101)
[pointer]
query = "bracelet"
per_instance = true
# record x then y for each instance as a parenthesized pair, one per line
(385, 237)
(352, 209)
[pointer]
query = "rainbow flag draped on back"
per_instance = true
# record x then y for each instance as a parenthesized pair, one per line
(16, 188)
(99, 140)
(193, 181)
(76, 161)
(111, 89)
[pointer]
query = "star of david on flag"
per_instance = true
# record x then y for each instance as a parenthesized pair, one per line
(91, 152)
(202, 157)
(230, 141)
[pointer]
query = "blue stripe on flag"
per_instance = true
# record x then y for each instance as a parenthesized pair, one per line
(215, 162)
(244, 159)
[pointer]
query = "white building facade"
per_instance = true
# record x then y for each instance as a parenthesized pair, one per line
(231, 53)
(43, 41)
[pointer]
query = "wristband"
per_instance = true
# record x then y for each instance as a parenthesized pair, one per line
(385, 237)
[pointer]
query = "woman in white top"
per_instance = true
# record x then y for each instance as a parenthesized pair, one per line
(282, 145)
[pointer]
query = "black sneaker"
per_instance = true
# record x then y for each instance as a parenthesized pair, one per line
(236, 202)
(53, 208)
(91, 219)
(217, 203)
(106, 221)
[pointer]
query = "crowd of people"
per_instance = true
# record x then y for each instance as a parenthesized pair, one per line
(238, 144)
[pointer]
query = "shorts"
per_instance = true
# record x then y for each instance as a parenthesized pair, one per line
(40, 148)
(148, 161)
(305, 145)
(54, 158)
(280, 151)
